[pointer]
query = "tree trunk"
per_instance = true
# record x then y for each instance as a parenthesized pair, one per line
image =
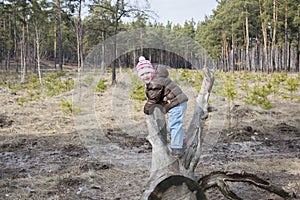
(79, 39)
(103, 50)
(116, 23)
(265, 66)
(59, 35)
(289, 57)
(225, 55)
(297, 52)
(248, 66)
(55, 46)
(280, 60)
(35, 56)
(7, 48)
(233, 58)
(285, 36)
(16, 47)
(257, 55)
(1, 54)
(23, 57)
(167, 171)
(38, 59)
(2, 40)
(273, 48)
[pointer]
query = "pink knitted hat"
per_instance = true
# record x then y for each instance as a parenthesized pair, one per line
(144, 66)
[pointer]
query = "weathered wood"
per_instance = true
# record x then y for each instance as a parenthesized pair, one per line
(166, 180)
(162, 162)
(164, 166)
(220, 179)
(181, 186)
(192, 152)
(194, 134)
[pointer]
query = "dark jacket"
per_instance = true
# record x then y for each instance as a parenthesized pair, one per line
(163, 91)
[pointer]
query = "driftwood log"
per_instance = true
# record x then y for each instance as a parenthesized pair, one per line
(174, 178)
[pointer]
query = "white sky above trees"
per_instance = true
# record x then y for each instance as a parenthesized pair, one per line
(178, 11)
(175, 11)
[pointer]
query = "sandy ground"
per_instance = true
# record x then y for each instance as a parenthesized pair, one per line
(104, 153)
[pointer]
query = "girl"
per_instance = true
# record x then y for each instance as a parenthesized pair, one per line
(161, 90)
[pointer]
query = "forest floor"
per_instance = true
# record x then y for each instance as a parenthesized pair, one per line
(45, 153)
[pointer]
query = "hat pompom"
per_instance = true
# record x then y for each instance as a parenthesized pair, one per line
(142, 58)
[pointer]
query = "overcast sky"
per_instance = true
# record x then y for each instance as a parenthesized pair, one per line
(178, 11)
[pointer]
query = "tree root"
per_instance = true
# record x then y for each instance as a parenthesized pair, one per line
(219, 179)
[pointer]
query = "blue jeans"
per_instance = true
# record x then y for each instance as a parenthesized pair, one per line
(175, 124)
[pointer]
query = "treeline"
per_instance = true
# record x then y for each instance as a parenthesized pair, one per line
(258, 35)
(253, 35)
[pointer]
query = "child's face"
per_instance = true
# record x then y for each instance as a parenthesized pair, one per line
(146, 77)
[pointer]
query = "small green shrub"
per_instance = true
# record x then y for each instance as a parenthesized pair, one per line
(101, 85)
(267, 105)
(137, 92)
(22, 100)
(34, 95)
(271, 88)
(229, 89)
(244, 75)
(53, 84)
(57, 86)
(185, 75)
(278, 78)
(68, 108)
(259, 96)
(291, 85)
(245, 87)
(68, 84)
(192, 77)
(14, 87)
(137, 89)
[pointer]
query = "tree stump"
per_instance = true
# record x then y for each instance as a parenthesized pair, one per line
(170, 175)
